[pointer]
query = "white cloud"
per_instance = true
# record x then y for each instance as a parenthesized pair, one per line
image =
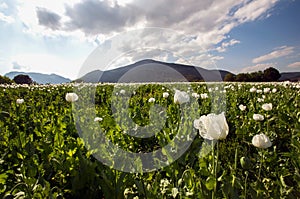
(5, 18)
(208, 20)
(3, 6)
(277, 53)
(199, 26)
(17, 66)
(294, 65)
(225, 45)
(257, 67)
(253, 10)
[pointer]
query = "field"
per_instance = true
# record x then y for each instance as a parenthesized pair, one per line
(136, 141)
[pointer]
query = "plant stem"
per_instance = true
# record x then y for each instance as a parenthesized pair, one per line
(246, 184)
(116, 193)
(145, 191)
(260, 166)
(213, 169)
(261, 162)
(235, 159)
(215, 165)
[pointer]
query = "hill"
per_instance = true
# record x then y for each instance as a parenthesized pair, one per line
(154, 71)
(290, 76)
(41, 78)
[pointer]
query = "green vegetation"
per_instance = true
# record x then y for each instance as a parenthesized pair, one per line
(22, 79)
(42, 155)
(5, 80)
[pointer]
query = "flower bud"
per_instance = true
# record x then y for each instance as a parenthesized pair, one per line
(245, 163)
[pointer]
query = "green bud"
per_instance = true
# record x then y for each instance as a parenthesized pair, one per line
(245, 162)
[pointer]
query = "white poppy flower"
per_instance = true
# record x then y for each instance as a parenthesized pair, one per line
(253, 89)
(20, 101)
(98, 119)
(261, 141)
(242, 107)
(71, 97)
(260, 99)
(195, 95)
(181, 97)
(165, 95)
(204, 96)
(122, 91)
(258, 117)
(212, 126)
(266, 90)
(267, 107)
(151, 100)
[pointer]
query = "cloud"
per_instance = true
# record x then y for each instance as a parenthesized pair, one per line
(209, 20)
(198, 26)
(6, 19)
(252, 10)
(277, 53)
(225, 45)
(48, 18)
(99, 17)
(294, 65)
(257, 67)
(17, 66)
(3, 5)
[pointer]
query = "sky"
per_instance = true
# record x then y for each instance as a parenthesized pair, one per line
(65, 36)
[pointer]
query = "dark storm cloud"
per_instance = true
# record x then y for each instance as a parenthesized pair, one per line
(94, 17)
(48, 19)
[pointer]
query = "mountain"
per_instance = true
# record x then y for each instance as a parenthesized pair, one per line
(149, 70)
(290, 76)
(40, 78)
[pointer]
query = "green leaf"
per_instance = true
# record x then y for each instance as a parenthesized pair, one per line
(20, 156)
(3, 177)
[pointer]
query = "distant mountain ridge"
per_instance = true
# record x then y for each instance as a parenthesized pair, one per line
(291, 76)
(149, 70)
(40, 78)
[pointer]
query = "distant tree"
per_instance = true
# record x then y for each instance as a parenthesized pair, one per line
(271, 74)
(23, 79)
(243, 77)
(229, 77)
(257, 76)
(5, 80)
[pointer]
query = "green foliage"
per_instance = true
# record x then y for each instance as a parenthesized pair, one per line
(5, 80)
(22, 79)
(43, 156)
(271, 74)
(229, 77)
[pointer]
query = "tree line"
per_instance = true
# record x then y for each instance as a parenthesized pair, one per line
(18, 79)
(268, 75)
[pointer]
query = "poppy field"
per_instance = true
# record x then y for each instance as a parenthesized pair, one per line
(214, 140)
